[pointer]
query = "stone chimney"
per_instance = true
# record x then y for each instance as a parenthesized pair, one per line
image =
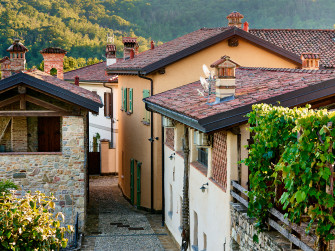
(225, 79)
(54, 59)
(17, 53)
(310, 61)
(110, 51)
(130, 43)
(235, 19)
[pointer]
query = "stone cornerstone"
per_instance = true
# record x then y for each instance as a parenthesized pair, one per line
(62, 174)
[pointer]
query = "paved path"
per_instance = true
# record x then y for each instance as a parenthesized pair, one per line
(113, 224)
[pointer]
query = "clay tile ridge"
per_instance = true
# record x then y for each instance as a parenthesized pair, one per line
(17, 46)
(53, 50)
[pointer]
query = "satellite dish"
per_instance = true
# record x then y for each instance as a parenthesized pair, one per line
(206, 71)
(200, 93)
(204, 83)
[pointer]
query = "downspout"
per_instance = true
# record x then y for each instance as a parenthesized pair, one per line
(112, 119)
(151, 141)
(163, 185)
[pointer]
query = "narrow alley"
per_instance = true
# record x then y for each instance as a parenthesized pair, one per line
(113, 224)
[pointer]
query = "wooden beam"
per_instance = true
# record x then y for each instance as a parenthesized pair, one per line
(239, 188)
(23, 104)
(34, 114)
(44, 104)
(9, 101)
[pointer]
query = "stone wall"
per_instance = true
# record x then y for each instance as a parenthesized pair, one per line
(19, 134)
(243, 230)
(62, 174)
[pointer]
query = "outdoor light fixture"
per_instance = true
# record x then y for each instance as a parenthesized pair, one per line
(203, 187)
(172, 156)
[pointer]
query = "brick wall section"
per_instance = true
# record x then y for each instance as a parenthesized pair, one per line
(61, 174)
(53, 60)
(19, 134)
(219, 159)
(169, 137)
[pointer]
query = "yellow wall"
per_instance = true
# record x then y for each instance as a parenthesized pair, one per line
(134, 135)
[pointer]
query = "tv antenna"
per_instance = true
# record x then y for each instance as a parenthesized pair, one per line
(208, 83)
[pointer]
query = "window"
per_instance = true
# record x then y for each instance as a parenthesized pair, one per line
(203, 156)
(108, 104)
(125, 97)
(127, 100)
(146, 118)
(130, 105)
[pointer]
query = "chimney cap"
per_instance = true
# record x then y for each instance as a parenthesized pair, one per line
(129, 40)
(235, 14)
(53, 50)
(222, 60)
(17, 46)
(310, 55)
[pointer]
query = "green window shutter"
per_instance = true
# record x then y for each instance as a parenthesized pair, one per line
(131, 100)
(122, 99)
(146, 93)
(138, 190)
(132, 181)
(125, 96)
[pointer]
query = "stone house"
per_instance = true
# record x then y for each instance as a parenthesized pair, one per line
(44, 136)
(179, 62)
(217, 133)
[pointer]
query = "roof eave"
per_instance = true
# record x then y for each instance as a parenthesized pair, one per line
(237, 116)
(125, 71)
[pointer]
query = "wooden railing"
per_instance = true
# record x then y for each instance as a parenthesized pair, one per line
(280, 217)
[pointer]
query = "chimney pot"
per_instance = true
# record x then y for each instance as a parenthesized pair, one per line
(310, 61)
(76, 80)
(235, 19)
(246, 26)
(152, 45)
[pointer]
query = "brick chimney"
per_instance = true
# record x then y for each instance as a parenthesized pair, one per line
(310, 61)
(152, 45)
(110, 51)
(246, 26)
(17, 53)
(235, 19)
(76, 80)
(130, 43)
(54, 59)
(225, 79)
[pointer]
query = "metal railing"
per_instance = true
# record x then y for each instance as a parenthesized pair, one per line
(274, 223)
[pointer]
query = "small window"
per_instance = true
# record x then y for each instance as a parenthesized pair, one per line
(125, 99)
(203, 156)
(108, 104)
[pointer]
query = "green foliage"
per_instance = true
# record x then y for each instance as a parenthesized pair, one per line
(293, 147)
(28, 224)
(6, 186)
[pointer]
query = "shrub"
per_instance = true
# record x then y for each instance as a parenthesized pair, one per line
(6, 185)
(28, 223)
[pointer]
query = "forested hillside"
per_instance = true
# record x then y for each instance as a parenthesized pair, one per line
(80, 26)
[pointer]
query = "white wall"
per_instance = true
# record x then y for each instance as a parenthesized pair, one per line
(212, 206)
(99, 123)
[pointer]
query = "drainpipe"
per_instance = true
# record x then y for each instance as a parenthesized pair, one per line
(112, 119)
(151, 141)
(163, 167)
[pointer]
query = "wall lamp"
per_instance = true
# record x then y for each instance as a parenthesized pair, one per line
(172, 156)
(204, 187)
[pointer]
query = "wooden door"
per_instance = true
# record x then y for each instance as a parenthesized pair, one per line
(49, 134)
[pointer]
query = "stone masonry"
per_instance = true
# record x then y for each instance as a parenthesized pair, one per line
(62, 174)
(243, 230)
(54, 60)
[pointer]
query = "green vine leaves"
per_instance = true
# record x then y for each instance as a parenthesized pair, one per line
(291, 163)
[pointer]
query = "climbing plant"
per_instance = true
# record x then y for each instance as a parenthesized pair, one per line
(293, 149)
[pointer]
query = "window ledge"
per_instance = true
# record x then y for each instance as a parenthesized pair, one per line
(31, 153)
(145, 123)
(200, 167)
(129, 113)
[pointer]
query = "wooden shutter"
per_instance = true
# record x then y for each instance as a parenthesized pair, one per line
(108, 106)
(146, 93)
(125, 96)
(130, 100)
(111, 105)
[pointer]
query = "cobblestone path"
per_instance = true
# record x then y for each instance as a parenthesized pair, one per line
(113, 224)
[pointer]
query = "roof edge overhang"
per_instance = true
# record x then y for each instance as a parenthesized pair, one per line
(237, 116)
(205, 44)
(22, 78)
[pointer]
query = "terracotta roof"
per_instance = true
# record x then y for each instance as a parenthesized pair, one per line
(235, 14)
(64, 85)
(17, 46)
(53, 50)
(290, 43)
(91, 73)
(252, 85)
(302, 41)
(4, 59)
